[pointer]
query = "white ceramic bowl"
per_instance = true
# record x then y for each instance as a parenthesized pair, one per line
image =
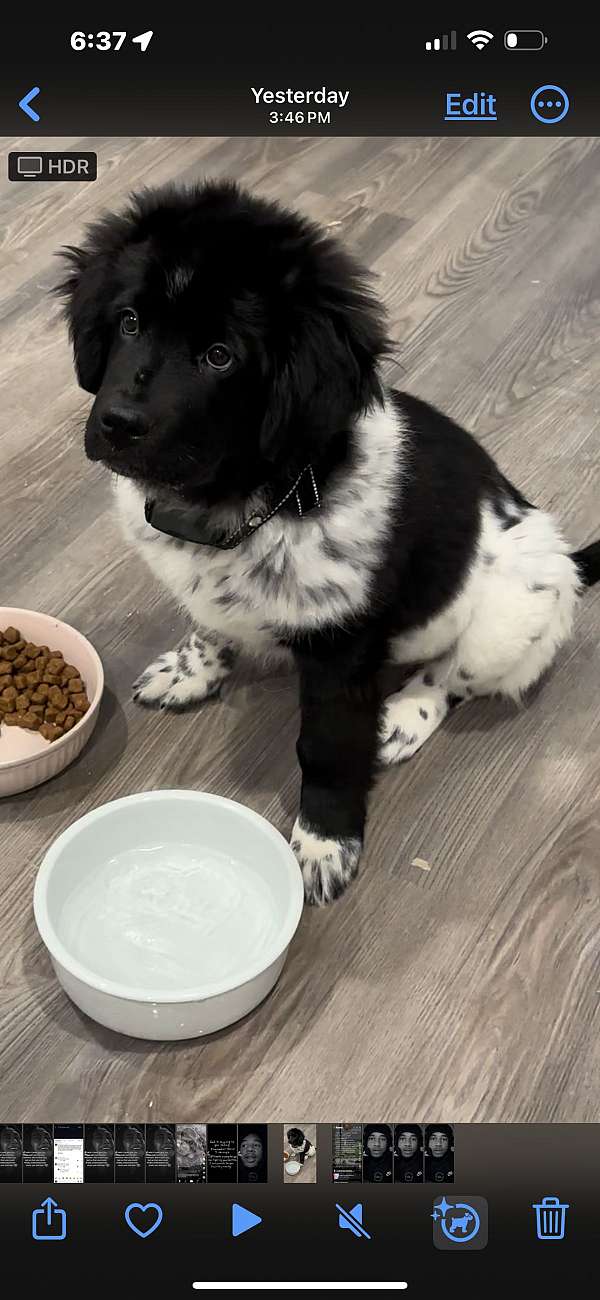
(26, 759)
(168, 914)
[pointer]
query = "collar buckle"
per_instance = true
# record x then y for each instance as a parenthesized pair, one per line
(179, 521)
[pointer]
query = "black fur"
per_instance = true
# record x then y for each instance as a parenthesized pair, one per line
(307, 336)
(211, 265)
(588, 562)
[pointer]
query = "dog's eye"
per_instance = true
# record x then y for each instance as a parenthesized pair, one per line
(130, 321)
(218, 357)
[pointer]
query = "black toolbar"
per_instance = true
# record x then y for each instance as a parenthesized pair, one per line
(384, 74)
(521, 1207)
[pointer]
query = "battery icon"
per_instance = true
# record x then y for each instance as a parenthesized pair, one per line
(517, 40)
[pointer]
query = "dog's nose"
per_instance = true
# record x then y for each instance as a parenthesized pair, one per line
(123, 422)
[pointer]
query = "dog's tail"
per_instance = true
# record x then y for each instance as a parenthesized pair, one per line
(588, 563)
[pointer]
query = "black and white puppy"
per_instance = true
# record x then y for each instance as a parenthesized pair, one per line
(297, 507)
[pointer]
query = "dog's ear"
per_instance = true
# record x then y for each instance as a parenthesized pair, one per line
(327, 354)
(84, 292)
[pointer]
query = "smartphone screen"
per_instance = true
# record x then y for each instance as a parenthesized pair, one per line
(191, 1153)
(161, 1152)
(299, 668)
(130, 1153)
(11, 1153)
(99, 1153)
(222, 1153)
(68, 1153)
(38, 1153)
(347, 1153)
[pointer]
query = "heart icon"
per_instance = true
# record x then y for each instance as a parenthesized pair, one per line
(149, 1217)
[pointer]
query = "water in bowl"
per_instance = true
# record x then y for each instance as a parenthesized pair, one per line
(169, 917)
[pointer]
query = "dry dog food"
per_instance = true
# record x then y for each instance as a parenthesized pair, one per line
(38, 690)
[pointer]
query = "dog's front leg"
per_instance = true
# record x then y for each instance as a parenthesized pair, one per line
(337, 748)
(189, 675)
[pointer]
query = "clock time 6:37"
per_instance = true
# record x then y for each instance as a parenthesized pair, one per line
(112, 41)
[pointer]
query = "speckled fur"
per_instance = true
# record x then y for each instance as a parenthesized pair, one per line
(292, 575)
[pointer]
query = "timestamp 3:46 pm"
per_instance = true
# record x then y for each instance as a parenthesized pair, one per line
(312, 117)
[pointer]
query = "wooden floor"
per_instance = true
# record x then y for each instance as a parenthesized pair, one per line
(469, 991)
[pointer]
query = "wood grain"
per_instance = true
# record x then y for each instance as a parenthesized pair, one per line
(470, 991)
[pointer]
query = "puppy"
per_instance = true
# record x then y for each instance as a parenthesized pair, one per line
(294, 506)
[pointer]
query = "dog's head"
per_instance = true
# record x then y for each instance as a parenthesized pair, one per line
(225, 339)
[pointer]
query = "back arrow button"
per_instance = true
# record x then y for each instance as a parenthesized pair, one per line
(25, 104)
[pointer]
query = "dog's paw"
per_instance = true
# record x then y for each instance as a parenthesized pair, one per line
(328, 865)
(180, 678)
(409, 718)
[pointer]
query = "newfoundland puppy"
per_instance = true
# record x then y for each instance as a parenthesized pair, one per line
(295, 506)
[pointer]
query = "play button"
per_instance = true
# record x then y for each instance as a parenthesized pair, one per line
(243, 1220)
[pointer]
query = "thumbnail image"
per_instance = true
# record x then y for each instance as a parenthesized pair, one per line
(11, 1153)
(190, 1143)
(347, 1153)
(299, 1153)
(130, 1153)
(221, 1153)
(38, 1153)
(408, 1153)
(68, 1153)
(377, 1156)
(252, 1153)
(439, 1153)
(99, 1153)
(160, 1153)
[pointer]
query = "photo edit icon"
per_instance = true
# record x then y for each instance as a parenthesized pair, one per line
(30, 164)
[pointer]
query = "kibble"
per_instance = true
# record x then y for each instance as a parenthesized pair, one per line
(50, 732)
(38, 690)
(57, 698)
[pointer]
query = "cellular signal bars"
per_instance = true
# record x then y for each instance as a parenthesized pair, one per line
(441, 43)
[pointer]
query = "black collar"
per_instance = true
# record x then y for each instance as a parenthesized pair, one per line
(182, 521)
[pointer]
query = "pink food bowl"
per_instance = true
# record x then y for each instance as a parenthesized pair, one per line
(26, 759)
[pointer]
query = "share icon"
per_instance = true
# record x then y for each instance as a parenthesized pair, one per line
(352, 1219)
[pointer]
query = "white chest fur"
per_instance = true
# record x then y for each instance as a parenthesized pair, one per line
(293, 574)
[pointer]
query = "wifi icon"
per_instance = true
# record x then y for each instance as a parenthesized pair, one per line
(480, 39)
